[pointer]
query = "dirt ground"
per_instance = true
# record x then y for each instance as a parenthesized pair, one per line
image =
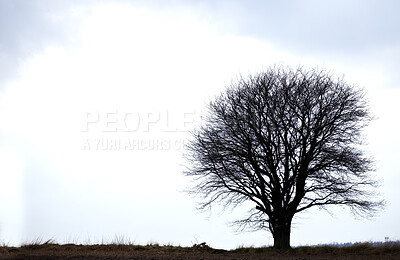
(125, 252)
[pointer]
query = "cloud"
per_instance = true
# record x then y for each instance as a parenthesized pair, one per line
(315, 26)
(27, 27)
(105, 59)
(125, 59)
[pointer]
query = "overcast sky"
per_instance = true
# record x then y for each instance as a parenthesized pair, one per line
(97, 99)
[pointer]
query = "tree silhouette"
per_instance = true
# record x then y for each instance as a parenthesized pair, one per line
(285, 140)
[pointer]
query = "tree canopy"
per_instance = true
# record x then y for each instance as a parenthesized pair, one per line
(285, 140)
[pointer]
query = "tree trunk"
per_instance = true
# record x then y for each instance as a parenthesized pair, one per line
(282, 236)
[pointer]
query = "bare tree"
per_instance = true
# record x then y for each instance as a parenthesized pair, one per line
(285, 140)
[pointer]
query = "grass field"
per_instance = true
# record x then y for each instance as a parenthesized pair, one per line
(51, 250)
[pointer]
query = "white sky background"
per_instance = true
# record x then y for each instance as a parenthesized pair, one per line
(142, 72)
